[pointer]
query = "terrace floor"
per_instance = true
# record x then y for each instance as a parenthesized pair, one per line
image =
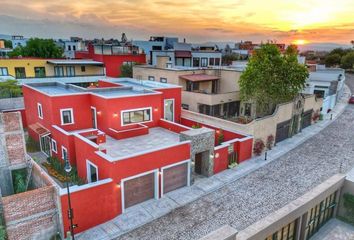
(157, 138)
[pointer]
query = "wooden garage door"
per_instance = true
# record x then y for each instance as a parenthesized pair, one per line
(306, 121)
(282, 131)
(139, 189)
(175, 177)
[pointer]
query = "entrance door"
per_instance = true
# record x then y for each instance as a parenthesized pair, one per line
(169, 111)
(94, 117)
(139, 189)
(198, 163)
(282, 131)
(45, 145)
(306, 119)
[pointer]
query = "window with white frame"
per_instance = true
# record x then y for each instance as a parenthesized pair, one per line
(64, 153)
(67, 116)
(3, 71)
(151, 78)
(54, 146)
(40, 110)
(92, 172)
(163, 80)
(136, 116)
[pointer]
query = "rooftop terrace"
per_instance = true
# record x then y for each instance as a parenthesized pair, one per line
(157, 138)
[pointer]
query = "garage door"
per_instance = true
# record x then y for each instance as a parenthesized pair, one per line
(306, 121)
(282, 131)
(139, 189)
(175, 177)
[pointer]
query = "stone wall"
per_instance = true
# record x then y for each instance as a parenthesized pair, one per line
(32, 214)
(11, 103)
(12, 149)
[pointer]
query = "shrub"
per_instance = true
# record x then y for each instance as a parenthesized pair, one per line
(19, 180)
(196, 126)
(2, 233)
(258, 147)
(32, 145)
(220, 135)
(270, 141)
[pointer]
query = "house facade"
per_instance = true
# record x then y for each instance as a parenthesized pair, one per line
(127, 141)
(22, 68)
(212, 91)
(113, 56)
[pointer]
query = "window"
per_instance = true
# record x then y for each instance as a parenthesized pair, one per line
(64, 153)
(185, 106)
(3, 71)
(163, 80)
(83, 69)
(74, 48)
(70, 71)
(20, 72)
(54, 146)
(92, 172)
(151, 78)
(217, 62)
(211, 61)
(40, 110)
(69, 48)
(204, 62)
(67, 116)
(39, 72)
(59, 71)
(196, 62)
(192, 86)
(136, 116)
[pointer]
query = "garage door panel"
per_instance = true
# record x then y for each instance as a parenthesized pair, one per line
(307, 119)
(175, 177)
(139, 189)
(282, 131)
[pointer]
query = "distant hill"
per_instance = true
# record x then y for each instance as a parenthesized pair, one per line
(4, 36)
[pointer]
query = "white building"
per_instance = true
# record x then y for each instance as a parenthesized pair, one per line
(18, 41)
(72, 45)
(326, 83)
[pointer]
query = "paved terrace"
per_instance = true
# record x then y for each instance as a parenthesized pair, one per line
(157, 138)
(256, 188)
(335, 230)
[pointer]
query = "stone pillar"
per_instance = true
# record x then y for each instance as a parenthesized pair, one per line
(202, 141)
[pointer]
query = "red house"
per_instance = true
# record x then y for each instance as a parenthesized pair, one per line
(125, 138)
(112, 56)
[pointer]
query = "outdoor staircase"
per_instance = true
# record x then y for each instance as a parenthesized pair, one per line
(29, 171)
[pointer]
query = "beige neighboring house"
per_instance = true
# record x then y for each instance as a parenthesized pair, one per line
(213, 91)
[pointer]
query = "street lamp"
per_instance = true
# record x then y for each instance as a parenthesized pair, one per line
(68, 169)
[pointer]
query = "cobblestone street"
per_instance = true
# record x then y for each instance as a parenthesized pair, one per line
(263, 191)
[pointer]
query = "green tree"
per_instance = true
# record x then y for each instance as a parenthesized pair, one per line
(36, 47)
(8, 43)
(228, 58)
(347, 61)
(126, 70)
(271, 78)
(10, 88)
(332, 59)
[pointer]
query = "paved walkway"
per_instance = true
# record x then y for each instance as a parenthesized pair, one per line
(335, 230)
(262, 187)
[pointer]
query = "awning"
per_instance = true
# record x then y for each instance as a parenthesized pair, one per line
(39, 129)
(75, 62)
(183, 54)
(199, 77)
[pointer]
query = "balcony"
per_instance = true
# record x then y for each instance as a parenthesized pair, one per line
(207, 98)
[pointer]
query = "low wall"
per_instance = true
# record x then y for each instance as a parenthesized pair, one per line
(11, 103)
(31, 215)
(174, 127)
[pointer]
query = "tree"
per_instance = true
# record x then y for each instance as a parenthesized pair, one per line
(347, 61)
(9, 89)
(228, 58)
(271, 78)
(332, 60)
(8, 43)
(36, 47)
(126, 70)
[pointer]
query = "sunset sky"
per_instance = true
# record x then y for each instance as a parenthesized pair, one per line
(207, 20)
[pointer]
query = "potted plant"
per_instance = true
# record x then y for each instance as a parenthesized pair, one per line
(270, 141)
(258, 147)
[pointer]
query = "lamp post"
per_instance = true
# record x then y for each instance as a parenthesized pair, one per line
(68, 169)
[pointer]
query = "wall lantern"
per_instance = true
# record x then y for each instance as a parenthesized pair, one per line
(99, 112)
(118, 185)
(115, 115)
(156, 109)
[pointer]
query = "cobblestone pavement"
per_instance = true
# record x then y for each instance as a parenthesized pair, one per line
(263, 191)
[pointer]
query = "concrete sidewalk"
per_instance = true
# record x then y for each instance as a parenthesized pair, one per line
(148, 211)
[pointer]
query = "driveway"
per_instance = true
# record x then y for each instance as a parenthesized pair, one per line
(263, 191)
